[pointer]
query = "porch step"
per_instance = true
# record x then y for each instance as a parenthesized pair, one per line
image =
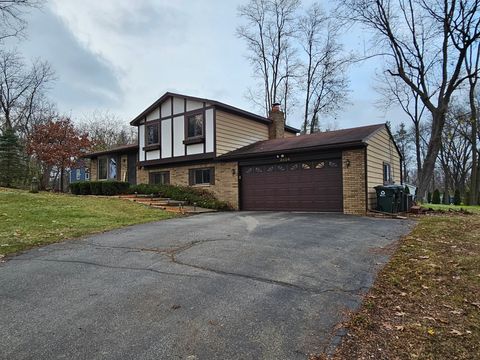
(167, 204)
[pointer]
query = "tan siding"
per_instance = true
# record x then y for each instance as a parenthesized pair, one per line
(289, 134)
(380, 149)
(234, 132)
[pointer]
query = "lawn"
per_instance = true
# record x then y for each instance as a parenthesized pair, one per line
(425, 304)
(473, 209)
(28, 220)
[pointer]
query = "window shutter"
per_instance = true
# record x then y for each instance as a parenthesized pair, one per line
(212, 176)
(191, 175)
(151, 178)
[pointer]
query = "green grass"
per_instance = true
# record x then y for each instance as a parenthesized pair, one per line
(473, 209)
(28, 220)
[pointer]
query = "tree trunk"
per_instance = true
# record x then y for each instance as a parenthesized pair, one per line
(418, 150)
(426, 177)
(473, 118)
(61, 178)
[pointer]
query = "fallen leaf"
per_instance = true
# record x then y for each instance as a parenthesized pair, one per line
(425, 287)
(456, 332)
(400, 313)
(456, 312)
(403, 294)
(431, 331)
(477, 304)
(424, 257)
(387, 326)
(400, 327)
(429, 318)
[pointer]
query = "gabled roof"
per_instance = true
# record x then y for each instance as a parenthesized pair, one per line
(115, 150)
(321, 140)
(218, 104)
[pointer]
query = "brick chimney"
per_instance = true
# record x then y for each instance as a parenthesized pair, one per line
(276, 129)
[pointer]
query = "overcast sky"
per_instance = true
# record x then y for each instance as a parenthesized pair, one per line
(122, 55)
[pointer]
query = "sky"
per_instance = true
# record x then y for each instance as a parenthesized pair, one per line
(122, 55)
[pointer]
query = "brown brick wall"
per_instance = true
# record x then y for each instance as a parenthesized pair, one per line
(226, 179)
(276, 129)
(354, 198)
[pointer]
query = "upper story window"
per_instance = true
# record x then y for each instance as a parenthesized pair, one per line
(194, 128)
(387, 173)
(151, 135)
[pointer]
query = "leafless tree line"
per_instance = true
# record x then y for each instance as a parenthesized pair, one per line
(295, 54)
(430, 50)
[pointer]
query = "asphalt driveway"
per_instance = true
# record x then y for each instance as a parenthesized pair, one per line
(246, 285)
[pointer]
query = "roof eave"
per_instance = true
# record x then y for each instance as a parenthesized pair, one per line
(295, 150)
(111, 151)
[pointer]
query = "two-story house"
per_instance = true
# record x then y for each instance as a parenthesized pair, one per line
(253, 162)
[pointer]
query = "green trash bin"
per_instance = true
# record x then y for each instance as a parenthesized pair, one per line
(389, 198)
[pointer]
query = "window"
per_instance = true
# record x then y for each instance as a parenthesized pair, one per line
(387, 173)
(195, 126)
(112, 168)
(152, 134)
(107, 168)
(87, 174)
(201, 176)
(78, 174)
(161, 177)
(102, 168)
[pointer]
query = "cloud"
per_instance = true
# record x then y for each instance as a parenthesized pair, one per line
(84, 79)
(122, 55)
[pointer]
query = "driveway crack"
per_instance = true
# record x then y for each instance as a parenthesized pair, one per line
(109, 266)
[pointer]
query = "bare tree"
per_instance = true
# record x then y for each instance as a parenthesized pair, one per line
(22, 90)
(427, 42)
(324, 73)
(268, 32)
(393, 92)
(472, 66)
(106, 130)
(403, 139)
(456, 149)
(12, 22)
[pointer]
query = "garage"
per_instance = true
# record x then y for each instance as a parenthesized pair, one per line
(314, 185)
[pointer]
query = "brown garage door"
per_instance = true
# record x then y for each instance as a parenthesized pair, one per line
(296, 186)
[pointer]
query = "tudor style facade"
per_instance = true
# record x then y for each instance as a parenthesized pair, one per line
(253, 162)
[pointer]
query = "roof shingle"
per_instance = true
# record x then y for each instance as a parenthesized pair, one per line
(337, 139)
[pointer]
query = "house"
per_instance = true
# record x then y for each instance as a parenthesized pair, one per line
(253, 162)
(119, 163)
(80, 172)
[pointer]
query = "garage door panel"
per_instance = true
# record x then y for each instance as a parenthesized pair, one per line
(307, 186)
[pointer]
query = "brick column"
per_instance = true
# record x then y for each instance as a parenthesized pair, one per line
(353, 169)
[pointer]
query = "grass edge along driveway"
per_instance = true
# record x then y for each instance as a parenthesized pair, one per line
(425, 303)
(28, 220)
